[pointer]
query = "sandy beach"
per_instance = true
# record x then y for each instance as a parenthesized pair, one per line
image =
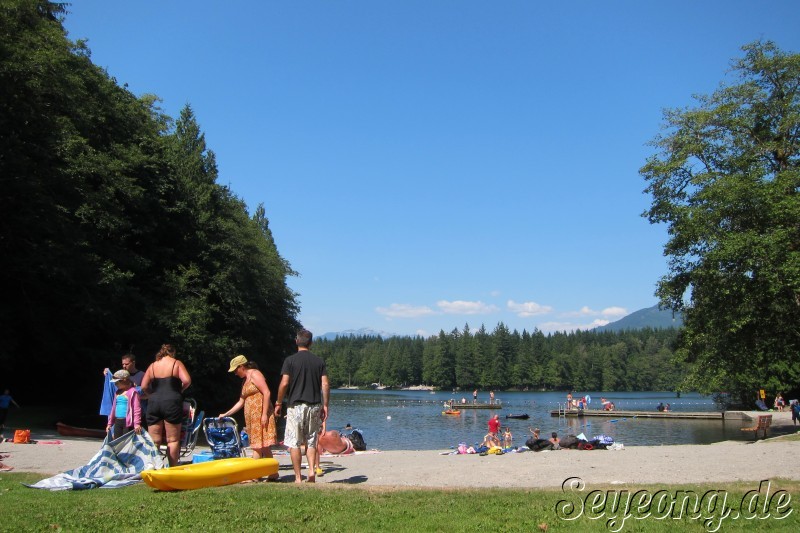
(721, 462)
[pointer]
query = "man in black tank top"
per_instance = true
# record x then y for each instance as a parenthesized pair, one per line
(304, 386)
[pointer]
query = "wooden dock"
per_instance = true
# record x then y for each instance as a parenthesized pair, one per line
(495, 405)
(699, 415)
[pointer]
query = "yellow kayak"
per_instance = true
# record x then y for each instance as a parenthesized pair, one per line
(210, 473)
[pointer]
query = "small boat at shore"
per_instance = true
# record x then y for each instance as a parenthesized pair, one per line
(519, 416)
(210, 473)
(73, 431)
(451, 412)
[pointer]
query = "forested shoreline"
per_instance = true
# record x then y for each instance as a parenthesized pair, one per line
(635, 360)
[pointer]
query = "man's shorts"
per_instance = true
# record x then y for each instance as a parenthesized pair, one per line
(303, 422)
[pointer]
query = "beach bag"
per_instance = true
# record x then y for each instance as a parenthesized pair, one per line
(22, 436)
(357, 439)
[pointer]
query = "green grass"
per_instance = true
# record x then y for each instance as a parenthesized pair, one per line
(286, 507)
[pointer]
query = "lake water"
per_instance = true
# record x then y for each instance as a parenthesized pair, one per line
(413, 420)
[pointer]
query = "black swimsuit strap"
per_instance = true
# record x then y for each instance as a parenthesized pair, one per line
(171, 372)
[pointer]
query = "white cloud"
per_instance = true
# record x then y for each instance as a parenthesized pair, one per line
(607, 312)
(550, 327)
(526, 309)
(461, 307)
(404, 311)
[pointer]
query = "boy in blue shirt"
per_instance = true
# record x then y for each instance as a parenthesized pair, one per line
(5, 402)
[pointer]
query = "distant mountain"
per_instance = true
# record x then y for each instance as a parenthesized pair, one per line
(652, 317)
(363, 332)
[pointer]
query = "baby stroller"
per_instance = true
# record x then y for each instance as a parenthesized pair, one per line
(222, 435)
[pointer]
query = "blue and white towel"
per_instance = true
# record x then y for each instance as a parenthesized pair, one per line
(119, 463)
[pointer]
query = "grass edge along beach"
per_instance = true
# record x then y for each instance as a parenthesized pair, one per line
(285, 507)
(722, 506)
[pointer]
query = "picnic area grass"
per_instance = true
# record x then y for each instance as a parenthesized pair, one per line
(286, 507)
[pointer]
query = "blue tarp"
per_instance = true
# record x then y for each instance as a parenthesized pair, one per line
(119, 463)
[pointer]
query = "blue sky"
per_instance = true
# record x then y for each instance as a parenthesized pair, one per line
(430, 164)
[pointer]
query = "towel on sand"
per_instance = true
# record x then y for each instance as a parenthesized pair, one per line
(118, 463)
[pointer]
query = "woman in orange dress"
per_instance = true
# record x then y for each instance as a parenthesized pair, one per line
(259, 418)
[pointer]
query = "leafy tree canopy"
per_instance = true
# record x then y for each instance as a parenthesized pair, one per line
(726, 182)
(114, 233)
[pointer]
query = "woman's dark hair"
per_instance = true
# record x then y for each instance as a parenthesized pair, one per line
(251, 364)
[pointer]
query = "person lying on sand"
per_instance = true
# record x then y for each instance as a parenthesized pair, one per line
(334, 442)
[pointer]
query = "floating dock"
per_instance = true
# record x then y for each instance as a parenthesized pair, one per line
(495, 405)
(699, 415)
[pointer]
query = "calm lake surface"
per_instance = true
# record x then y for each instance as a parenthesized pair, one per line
(413, 420)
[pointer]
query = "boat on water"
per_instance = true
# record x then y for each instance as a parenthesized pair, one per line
(452, 412)
(210, 473)
(419, 388)
(72, 431)
(520, 416)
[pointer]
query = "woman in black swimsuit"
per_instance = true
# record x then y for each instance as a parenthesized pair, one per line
(165, 381)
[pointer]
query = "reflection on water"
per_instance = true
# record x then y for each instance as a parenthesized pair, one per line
(412, 420)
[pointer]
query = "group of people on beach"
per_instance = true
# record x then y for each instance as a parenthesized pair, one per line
(536, 442)
(156, 397)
